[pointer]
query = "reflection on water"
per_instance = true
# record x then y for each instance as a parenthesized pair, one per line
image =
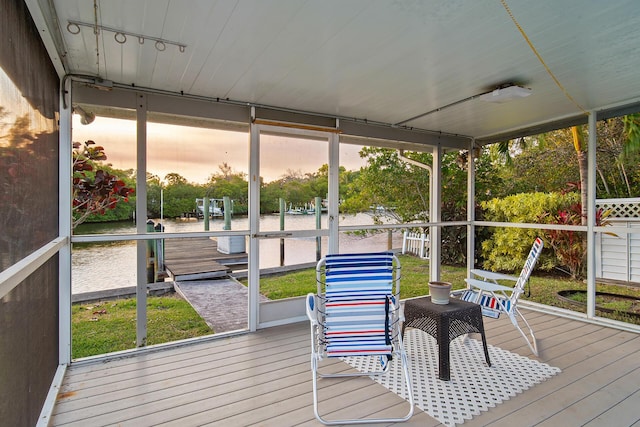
(106, 265)
(98, 266)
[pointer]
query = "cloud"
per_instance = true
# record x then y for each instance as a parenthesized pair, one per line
(196, 153)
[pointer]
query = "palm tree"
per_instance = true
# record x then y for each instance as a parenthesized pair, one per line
(632, 130)
(631, 137)
(581, 154)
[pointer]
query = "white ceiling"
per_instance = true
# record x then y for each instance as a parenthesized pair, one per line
(380, 60)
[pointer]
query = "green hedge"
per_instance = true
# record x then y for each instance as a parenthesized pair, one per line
(507, 248)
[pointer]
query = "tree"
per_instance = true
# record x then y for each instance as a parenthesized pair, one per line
(231, 184)
(549, 161)
(542, 163)
(622, 144)
(295, 187)
(180, 195)
(225, 169)
(28, 186)
(619, 137)
(632, 130)
(581, 155)
(95, 190)
(175, 179)
(402, 190)
(388, 182)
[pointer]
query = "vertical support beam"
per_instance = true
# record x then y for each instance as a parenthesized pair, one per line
(471, 208)
(141, 219)
(254, 220)
(65, 172)
(435, 216)
(591, 217)
(334, 197)
(283, 209)
(318, 212)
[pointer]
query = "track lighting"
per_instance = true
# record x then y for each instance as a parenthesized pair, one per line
(120, 36)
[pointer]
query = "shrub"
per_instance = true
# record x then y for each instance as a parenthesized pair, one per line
(507, 248)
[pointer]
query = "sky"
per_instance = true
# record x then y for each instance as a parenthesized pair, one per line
(197, 153)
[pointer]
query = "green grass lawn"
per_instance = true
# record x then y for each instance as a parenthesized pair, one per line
(542, 288)
(414, 281)
(110, 325)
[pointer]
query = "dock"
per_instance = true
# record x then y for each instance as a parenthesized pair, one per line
(200, 274)
(198, 258)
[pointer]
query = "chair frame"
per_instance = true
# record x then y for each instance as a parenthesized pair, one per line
(315, 311)
(485, 283)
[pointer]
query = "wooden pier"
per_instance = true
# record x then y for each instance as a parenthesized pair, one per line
(198, 258)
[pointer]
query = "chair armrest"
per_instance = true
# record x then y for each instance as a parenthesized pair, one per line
(487, 286)
(490, 275)
(312, 308)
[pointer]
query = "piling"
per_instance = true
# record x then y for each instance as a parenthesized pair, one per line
(205, 213)
(226, 206)
(150, 254)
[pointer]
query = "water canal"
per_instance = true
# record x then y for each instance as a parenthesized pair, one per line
(107, 265)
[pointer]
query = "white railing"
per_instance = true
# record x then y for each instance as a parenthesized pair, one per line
(416, 244)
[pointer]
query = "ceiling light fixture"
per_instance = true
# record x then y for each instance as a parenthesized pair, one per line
(505, 93)
(120, 36)
(86, 117)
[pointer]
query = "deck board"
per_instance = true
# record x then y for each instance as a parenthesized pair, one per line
(625, 413)
(580, 350)
(264, 379)
(198, 258)
(587, 407)
(581, 383)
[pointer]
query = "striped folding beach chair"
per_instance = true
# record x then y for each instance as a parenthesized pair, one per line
(495, 298)
(356, 312)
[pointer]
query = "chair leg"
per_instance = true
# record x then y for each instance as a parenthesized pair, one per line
(407, 376)
(531, 342)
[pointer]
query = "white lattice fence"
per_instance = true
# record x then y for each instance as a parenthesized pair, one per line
(620, 208)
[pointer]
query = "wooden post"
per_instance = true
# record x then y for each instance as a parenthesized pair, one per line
(226, 205)
(150, 254)
(159, 254)
(282, 210)
(205, 213)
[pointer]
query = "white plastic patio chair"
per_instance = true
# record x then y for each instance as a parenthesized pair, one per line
(356, 312)
(495, 298)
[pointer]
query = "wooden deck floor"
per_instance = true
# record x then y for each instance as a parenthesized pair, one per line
(264, 379)
(198, 258)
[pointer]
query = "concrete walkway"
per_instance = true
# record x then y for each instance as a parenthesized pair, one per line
(222, 303)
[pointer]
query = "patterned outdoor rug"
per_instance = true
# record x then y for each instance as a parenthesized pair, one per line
(474, 387)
